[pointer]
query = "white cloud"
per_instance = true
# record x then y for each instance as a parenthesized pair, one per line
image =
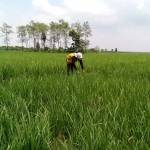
(2, 16)
(140, 4)
(94, 7)
(75, 9)
(45, 7)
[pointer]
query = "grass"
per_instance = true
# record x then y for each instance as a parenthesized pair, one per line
(107, 107)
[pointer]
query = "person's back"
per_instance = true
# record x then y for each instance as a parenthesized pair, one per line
(79, 57)
(70, 58)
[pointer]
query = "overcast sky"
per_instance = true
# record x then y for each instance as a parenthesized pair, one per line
(115, 23)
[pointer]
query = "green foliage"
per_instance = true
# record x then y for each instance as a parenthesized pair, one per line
(75, 38)
(106, 107)
(22, 34)
(84, 32)
(54, 35)
(6, 31)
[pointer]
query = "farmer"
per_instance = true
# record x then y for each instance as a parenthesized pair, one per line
(71, 60)
(79, 57)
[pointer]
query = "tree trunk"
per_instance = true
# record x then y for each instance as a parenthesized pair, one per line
(22, 45)
(7, 44)
(34, 43)
(6, 41)
(66, 42)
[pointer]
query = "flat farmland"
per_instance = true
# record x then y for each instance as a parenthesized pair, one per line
(105, 107)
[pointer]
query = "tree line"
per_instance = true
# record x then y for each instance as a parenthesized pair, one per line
(54, 35)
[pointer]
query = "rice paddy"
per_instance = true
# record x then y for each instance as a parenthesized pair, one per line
(105, 107)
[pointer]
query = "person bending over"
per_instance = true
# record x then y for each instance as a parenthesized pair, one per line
(79, 57)
(71, 60)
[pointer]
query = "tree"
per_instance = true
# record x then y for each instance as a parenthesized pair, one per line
(64, 32)
(84, 31)
(35, 30)
(53, 34)
(41, 31)
(87, 32)
(6, 31)
(58, 34)
(29, 34)
(32, 32)
(37, 46)
(76, 39)
(78, 28)
(22, 34)
(43, 39)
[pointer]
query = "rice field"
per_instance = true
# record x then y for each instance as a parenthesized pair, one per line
(105, 107)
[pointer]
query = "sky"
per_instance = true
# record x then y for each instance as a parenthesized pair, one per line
(122, 24)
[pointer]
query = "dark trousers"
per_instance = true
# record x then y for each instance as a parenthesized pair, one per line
(71, 67)
(81, 63)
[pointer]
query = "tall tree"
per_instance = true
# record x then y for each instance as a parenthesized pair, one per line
(41, 32)
(39, 29)
(58, 34)
(78, 28)
(29, 34)
(53, 34)
(6, 31)
(35, 30)
(65, 32)
(32, 32)
(22, 34)
(76, 40)
(43, 39)
(87, 32)
(84, 31)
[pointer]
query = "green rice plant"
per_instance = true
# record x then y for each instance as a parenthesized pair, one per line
(106, 107)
